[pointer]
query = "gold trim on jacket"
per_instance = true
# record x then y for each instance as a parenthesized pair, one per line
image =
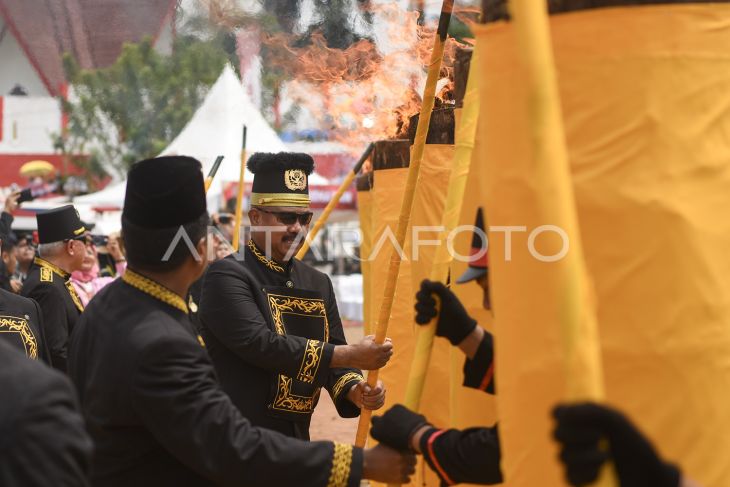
(154, 289)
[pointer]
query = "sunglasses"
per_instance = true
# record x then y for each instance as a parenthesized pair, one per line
(84, 239)
(289, 217)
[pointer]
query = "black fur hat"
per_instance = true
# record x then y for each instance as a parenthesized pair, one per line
(280, 179)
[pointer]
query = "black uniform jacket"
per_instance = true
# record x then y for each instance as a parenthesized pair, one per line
(157, 414)
(471, 455)
(21, 325)
(42, 437)
(51, 288)
(271, 330)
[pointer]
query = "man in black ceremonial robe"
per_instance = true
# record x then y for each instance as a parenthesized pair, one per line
(42, 437)
(148, 390)
(271, 322)
(63, 239)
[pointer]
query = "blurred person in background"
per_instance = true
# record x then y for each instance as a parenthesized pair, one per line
(24, 255)
(87, 281)
(225, 223)
(63, 240)
(8, 281)
(110, 254)
(6, 217)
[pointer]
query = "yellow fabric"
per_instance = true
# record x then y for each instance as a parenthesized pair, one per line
(427, 208)
(645, 94)
(469, 407)
(440, 262)
(364, 208)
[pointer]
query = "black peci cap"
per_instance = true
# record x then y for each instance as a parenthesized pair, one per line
(59, 224)
(280, 179)
(164, 192)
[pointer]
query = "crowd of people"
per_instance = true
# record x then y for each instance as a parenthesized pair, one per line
(178, 362)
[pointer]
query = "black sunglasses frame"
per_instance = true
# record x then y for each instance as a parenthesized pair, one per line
(290, 217)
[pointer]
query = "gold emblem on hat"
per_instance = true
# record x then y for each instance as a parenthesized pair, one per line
(295, 179)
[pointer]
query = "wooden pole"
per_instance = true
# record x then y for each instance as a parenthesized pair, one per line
(429, 94)
(212, 172)
(334, 201)
(464, 141)
(555, 198)
(239, 196)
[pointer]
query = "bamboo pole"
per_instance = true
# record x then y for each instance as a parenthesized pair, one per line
(464, 143)
(334, 202)
(239, 196)
(555, 198)
(212, 172)
(429, 94)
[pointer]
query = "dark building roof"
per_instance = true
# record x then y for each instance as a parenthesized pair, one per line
(92, 30)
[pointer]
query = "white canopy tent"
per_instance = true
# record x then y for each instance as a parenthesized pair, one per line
(215, 129)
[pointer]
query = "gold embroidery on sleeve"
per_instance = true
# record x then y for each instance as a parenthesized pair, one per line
(342, 381)
(310, 361)
(12, 324)
(341, 461)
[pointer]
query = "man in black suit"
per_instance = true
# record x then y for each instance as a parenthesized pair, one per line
(63, 239)
(148, 390)
(42, 437)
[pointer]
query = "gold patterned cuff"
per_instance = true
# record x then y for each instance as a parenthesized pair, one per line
(339, 386)
(341, 462)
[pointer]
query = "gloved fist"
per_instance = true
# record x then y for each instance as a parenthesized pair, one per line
(395, 427)
(590, 434)
(454, 323)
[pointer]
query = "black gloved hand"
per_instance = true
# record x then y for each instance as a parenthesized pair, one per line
(454, 323)
(580, 430)
(396, 426)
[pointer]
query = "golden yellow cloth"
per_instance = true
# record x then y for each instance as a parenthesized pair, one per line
(469, 407)
(364, 209)
(387, 194)
(646, 104)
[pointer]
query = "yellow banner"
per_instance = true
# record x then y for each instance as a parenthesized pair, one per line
(645, 93)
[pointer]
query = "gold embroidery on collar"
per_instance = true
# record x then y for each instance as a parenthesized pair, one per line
(271, 264)
(47, 271)
(286, 401)
(74, 296)
(341, 461)
(343, 381)
(13, 324)
(43, 263)
(157, 291)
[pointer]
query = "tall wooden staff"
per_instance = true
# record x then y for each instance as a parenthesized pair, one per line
(424, 120)
(464, 143)
(334, 201)
(239, 197)
(212, 172)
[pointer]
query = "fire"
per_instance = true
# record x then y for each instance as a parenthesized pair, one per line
(375, 98)
(363, 93)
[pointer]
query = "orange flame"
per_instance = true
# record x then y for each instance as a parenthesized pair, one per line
(369, 92)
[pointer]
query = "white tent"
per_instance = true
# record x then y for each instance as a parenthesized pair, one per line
(215, 129)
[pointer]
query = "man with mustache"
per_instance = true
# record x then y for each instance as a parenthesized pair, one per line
(271, 322)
